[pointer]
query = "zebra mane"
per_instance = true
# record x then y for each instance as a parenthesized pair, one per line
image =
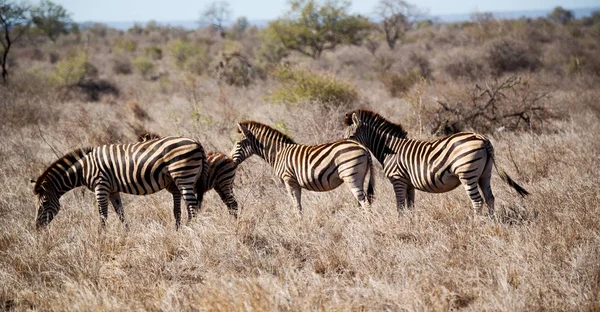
(373, 119)
(147, 136)
(255, 127)
(65, 161)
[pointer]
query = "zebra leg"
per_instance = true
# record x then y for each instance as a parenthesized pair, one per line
(400, 189)
(187, 192)
(471, 187)
(176, 203)
(227, 197)
(115, 200)
(102, 197)
(486, 188)
(356, 187)
(295, 194)
(177, 208)
(410, 197)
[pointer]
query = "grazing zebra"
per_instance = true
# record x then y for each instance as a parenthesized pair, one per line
(436, 166)
(171, 163)
(313, 167)
(221, 174)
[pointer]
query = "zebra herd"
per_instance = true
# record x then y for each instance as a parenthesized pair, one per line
(181, 166)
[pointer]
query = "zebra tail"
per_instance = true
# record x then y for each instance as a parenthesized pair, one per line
(371, 186)
(503, 175)
(201, 185)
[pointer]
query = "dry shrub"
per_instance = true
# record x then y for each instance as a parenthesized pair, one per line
(53, 57)
(144, 66)
(121, 66)
(94, 89)
(507, 55)
(396, 84)
(138, 111)
(514, 103)
(299, 84)
(234, 69)
(153, 52)
(125, 45)
(463, 66)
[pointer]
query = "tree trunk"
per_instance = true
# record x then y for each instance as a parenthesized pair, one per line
(4, 61)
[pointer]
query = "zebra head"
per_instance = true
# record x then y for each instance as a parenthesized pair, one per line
(355, 128)
(48, 203)
(245, 147)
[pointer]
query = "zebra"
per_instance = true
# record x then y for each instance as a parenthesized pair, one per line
(317, 168)
(171, 163)
(431, 166)
(221, 174)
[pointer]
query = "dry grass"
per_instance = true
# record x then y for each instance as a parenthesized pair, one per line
(541, 254)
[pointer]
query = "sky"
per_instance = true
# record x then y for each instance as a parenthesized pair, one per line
(184, 10)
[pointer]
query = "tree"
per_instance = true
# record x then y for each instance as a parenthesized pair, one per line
(52, 19)
(561, 15)
(14, 22)
(311, 27)
(397, 17)
(216, 13)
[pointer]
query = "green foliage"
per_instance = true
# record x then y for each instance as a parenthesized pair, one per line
(144, 66)
(52, 19)
(123, 44)
(71, 69)
(271, 50)
(311, 28)
(153, 52)
(561, 15)
(298, 84)
(183, 50)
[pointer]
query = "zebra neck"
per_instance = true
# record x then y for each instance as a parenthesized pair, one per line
(270, 151)
(385, 146)
(71, 177)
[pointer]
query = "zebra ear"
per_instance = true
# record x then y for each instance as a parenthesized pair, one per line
(355, 119)
(32, 182)
(242, 129)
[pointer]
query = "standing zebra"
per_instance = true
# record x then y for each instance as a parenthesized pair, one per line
(436, 167)
(171, 163)
(221, 174)
(313, 167)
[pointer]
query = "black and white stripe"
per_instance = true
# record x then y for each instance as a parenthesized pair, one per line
(313, 167)
(221, 175)
(430, 166)
(171, 163)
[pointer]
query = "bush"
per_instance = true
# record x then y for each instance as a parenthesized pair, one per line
(122, 66)
(396, 84)
(299, 84)
(125, 44)
(198, 64)
(144, 66)
(72, 69)
(235, 70)
(461, 66)
(182, 51)
(505, 55)
(153, 52)
(514, 104)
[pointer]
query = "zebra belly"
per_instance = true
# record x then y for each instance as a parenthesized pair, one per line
(149, 187)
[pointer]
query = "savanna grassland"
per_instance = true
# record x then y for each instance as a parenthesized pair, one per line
(531, 86)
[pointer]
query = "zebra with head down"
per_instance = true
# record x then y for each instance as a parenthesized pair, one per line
(171, 163)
